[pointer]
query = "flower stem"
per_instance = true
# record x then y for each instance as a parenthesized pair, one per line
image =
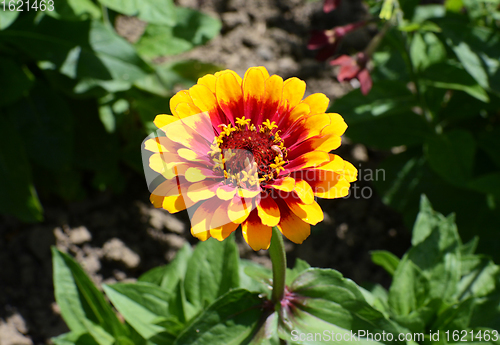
(278, 259)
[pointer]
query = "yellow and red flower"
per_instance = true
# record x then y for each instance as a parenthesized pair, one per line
(248, 151)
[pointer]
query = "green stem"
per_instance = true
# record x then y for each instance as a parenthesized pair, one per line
(278, 259)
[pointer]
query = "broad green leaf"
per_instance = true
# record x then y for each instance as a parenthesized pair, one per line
(144, 306)
(255, 277)
(480, 280)
(73, 338)
(75, 10)
(426, 12)
(436, 251)
(409, 289)
(452, 77)
(451, 155)
(385, 98)
(17, 80)
(325, 295)
(385, 259)
(456, 316)
(454, 5)
(476, 48)
(192, 28)
(168, 276)
(7, 18)
(426, 50)
(384, 132)
(46, 122)
(212, 271)
(300, 266)
(489, 141)
(18, 196)
(107, 118)
(152, 11)
(232, 319)
(487, 184)
(82, 49)
(83, 307)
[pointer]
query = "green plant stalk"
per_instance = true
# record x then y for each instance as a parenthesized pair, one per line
(278, 259)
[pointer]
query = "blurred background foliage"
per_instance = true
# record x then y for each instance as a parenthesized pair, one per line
(78, 99)
(435, 103)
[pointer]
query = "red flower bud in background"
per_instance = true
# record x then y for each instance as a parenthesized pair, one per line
(330, 5)
(351, 68)
(328, 40)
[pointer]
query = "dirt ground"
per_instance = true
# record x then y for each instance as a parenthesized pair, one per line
(117, 238)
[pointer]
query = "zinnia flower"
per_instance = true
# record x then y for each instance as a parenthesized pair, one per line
(248, 151)
(351, 68)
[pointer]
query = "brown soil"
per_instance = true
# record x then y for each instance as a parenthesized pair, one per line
(116, 238)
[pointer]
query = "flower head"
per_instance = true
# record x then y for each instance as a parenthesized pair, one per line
(327, 41)
(330, 5)
(351, 68)
(248, 151)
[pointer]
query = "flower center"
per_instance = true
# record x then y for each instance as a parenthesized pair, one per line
(248, 156)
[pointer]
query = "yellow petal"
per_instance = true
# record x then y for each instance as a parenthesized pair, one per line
(236, 76)
(292, 227)
(187, 109)
(293, 91)
(253, 92)
(180, 97)
(203, 98)
(337, 125)
(208, 81)
(229, 95)
(272, 97)
(317, 102)
(256, 234)
(300, 111)
(238, 210)
(350, 172)
(174, 203)
(154, 145)
(330, 142)
(194, 174)
(304, 191)
(285, 184)
(336, 164)
(200, 220)
(263, 70)
(221, 233)
(311, 214)
(189, 155)
(337, 187)
(163, 120)
(202, 190)
(268, 211)
(226, 192)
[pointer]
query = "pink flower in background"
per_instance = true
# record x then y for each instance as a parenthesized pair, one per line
(330, 5)
(328, 40)
(351, 68)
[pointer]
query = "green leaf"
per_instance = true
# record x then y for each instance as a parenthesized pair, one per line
(326, 299)
(480, 280)
(82, 306)
(426, 50)
(211, 272)
(86, 49)
(255, 277)
(476, 48)
(489, 141)
(192, 28)
(75, 10)
(451, 155)
(409, 289)
(300, 266)
(18, 78)
(169, 275)
(152, 11)
(232, 319)
(487, 184)
(17, 193)
(385, 259)
(452, 77)
(7, 18)
(144, 306)
(46, 122)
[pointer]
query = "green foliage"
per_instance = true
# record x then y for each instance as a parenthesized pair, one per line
(436, 96)
(209, 296)
(79, 99)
